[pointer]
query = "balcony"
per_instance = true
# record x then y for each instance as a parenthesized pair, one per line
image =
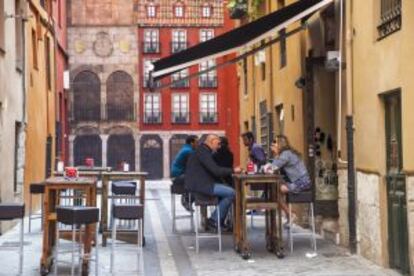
(177, 46)
(208, 117)
(152, 118)
(207, 81)
(118, 113)
(151, 47)
(180, 117)
(237, 8)
(177, 83)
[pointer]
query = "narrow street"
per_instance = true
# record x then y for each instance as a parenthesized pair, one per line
(174, 254)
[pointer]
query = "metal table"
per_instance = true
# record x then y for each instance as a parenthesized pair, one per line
(116, 176)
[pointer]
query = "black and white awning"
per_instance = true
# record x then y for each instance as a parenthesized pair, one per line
(238, 38)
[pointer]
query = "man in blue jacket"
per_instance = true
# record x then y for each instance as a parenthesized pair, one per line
(179, 165)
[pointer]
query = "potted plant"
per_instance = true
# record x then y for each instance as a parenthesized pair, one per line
(237, 8)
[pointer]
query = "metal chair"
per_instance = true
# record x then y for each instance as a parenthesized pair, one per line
(206, 201)
(123, 192)
(127, 212)
(36, 189)
(305, 197)
(76, 216)
(179, 189)
(11, 211)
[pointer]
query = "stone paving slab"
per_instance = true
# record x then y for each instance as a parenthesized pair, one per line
(168, 254)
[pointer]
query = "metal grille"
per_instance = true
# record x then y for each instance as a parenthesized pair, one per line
(121, 148)
(390, 17)
(88, 146)
(87, 98)
(120, 97)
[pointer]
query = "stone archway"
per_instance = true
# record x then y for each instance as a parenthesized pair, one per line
(120, 97)
(121, 148)
(87, 146)
(86, 97)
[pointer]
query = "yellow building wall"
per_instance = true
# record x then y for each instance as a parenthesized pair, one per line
(40, 101)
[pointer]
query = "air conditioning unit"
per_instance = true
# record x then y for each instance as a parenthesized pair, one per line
(333, 61)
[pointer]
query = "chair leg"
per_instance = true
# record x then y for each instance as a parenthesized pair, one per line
(174, 229)
(56, 261)
(251, 219)
(72, 271)
(41, 210)
(290, 228)
(196, 226)
(113, 244)
(30, 213)
(191, 214)
(219, 227)
(96, 249)
(313, 227)
(21, 246)
(140, 251)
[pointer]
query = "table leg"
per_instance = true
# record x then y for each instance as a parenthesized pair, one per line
(49, 230)
(279, 241)
(236, 217)
(142, 201)
(245, 248)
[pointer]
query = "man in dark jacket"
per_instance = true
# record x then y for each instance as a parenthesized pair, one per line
(202, 172)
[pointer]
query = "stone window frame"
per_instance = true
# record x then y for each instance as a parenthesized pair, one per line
(210, 77)
(206, 10)
(206, 34)
(179, 10)
(152, 108)
(151, 38)
(151, 10)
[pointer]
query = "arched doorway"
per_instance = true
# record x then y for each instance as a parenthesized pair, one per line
(87, 146)
(121, 148)
(120, 97)
(152, 156)
(86, 97)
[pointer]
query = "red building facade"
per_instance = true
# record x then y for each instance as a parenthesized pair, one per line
(204, 104)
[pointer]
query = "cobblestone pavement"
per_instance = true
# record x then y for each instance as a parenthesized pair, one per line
(166, 253)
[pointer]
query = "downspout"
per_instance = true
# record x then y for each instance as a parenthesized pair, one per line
(350, 132)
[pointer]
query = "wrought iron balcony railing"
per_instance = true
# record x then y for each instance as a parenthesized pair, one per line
(177, 46)
(208, 117)
(207, 81)
(151, 47)
(180, 117)
(152, 117)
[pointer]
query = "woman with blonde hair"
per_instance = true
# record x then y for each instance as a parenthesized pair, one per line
(289, 160)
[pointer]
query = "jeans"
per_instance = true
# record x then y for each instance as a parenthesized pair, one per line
(226, 195)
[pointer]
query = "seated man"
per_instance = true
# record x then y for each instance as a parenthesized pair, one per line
(179, 165)
(201, 173)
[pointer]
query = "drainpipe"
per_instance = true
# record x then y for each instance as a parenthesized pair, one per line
(350, 131)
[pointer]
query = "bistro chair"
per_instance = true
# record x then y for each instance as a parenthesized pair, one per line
(206, 201)
(128, 212)
(123, 192)
(179, 189)
(36, 189)
(76, 216)
(11, 211)
(305, 197)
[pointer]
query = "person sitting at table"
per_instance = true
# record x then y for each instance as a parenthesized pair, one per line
(288, 160)
(224, 158)
(201, 174)
(179, 165)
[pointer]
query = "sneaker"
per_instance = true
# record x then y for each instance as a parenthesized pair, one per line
(211, 225)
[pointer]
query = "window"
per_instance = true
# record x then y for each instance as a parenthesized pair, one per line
(179, 41)
(147, 66)
(208, 108)
(180, 75)
(206, 34)
(390, 17)
(18, 152)
(152, 108)
(151, 41)
(19, 34)
(34, 49)
(206, 11)
(2, 18)
(179, 10)
(47, 63)
(208, 79)
(179, 108)
(151, 10)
